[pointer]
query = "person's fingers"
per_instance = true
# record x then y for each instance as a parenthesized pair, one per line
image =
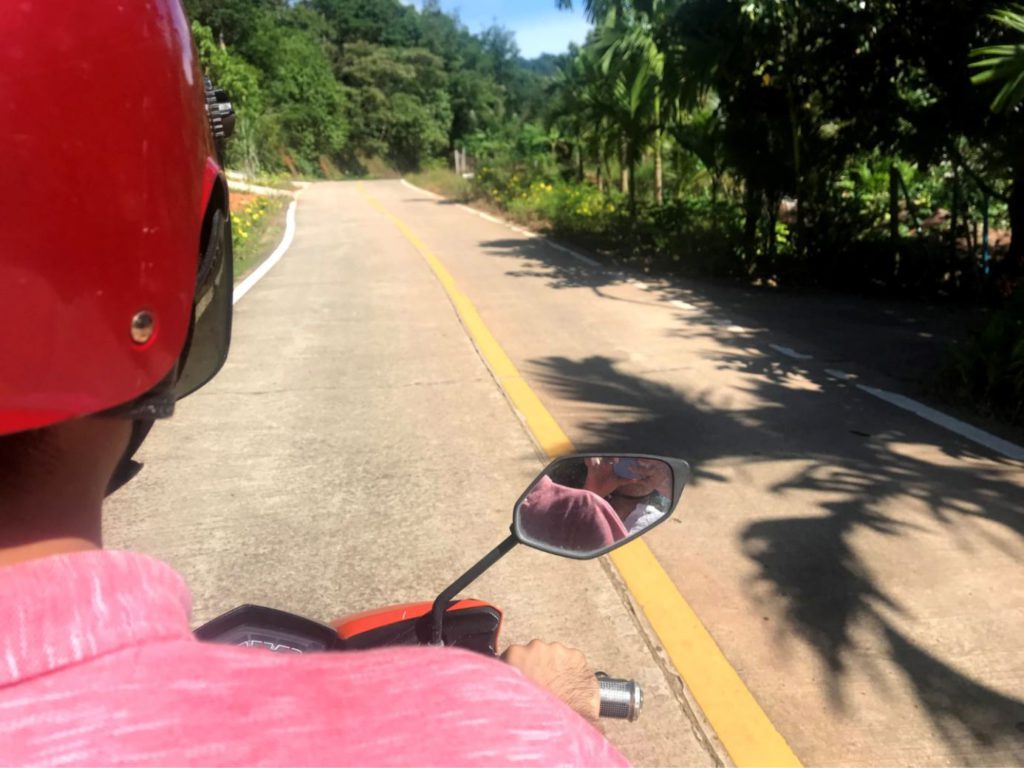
(562, 670)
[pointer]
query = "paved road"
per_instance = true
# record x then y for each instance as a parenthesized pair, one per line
(355, 452)
(862, 569)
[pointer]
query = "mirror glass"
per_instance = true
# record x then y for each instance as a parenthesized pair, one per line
(584, 506)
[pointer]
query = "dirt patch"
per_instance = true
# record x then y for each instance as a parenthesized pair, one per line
(239, 200)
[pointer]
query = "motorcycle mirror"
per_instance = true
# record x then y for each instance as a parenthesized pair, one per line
(586, 505)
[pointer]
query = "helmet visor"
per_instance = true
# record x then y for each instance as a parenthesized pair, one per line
(210, 333)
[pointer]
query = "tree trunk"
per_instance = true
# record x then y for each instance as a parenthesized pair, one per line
(1016, 255)
(624, 165)
(752, 206)
(580, 175)
(774, 200)
(954, 214)
(894, 217)
(631, 165)
(659, 188)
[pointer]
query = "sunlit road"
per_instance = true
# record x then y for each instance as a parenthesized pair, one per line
(861, 568)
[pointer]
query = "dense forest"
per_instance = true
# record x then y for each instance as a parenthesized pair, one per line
(323, 84)
(863, 145)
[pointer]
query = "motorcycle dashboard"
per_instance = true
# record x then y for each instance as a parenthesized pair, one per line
(254, 626)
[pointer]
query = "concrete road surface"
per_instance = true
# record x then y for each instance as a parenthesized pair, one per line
(861, 568)
(355, 452)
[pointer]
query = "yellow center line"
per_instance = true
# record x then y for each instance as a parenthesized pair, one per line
(739, 722)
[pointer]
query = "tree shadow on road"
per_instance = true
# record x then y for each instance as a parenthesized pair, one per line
(872, 483)
(907, 339)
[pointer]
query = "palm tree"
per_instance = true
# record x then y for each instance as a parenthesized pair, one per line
(631, 59)
(1003, 63)
(582, 98)
(639, 55)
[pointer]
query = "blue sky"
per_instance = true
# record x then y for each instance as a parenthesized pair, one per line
(539, 26)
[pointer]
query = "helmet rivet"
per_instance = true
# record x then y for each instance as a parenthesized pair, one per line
(142, 327)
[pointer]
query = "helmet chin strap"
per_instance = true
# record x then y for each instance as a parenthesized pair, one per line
(158, 403)
(127, 467)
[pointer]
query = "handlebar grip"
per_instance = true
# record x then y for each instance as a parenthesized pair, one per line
(621, 699)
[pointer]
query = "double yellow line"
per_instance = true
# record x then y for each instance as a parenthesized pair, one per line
(739, 722)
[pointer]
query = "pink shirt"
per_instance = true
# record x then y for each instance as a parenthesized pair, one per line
(570, 518)
(98, 666)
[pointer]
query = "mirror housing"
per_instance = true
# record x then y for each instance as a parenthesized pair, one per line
(585, 505)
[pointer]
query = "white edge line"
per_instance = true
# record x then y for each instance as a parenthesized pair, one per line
(578, 256)
(257, 274)
(979, 436)
(586, 260)
(420, 189)
(789, 352)
(841, 375)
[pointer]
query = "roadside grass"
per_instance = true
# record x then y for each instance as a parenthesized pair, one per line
(445, 183)
(257, 225)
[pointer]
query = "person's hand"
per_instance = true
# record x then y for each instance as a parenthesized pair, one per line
(562, 671)
(601, 477)
(649, 475)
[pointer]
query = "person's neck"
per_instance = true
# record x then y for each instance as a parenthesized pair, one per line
(41, 527)
(45, 548)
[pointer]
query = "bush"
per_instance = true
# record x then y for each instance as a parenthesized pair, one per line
(987, 371)
(444, 182)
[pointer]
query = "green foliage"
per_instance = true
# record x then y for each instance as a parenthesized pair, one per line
(358, 82)
(304, 94)
(255, 231)
(278, 75)
(380, 22)
(444, 182)
(250, 146)
(1003, 63)
(399, 103)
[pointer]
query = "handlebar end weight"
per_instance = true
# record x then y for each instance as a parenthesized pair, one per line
(620, 699)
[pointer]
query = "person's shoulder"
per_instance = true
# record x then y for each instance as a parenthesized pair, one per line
(434, 705)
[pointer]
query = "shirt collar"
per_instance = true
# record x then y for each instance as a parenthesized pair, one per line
(65, 609)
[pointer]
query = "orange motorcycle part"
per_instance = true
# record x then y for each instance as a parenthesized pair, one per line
(471, 624)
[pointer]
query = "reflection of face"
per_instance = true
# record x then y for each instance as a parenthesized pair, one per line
(648, 477)
(638, 488)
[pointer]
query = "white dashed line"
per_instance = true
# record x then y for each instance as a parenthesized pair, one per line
(842, 375)
(790, 352)
(979, 436)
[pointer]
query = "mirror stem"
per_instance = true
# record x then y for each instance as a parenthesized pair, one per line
(441, 604)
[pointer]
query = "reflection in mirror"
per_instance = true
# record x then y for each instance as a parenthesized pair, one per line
(585, 505)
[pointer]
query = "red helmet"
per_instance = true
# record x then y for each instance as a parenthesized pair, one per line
(115, 247)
